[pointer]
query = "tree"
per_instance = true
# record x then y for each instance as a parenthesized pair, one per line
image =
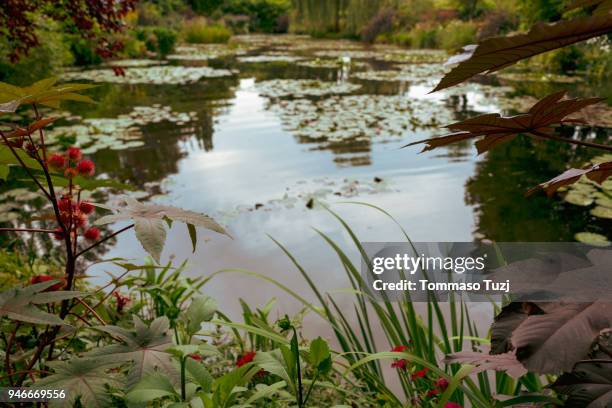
(93, 19)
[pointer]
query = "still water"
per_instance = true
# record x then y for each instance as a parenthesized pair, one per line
(261, 144)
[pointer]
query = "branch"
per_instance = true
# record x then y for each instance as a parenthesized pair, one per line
(92, 246)
(26, 168)
(572, 141)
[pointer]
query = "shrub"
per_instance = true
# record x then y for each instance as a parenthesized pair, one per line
(84, 52)
(198, 31)
(379, 24)
(264, 15)
(402, 38)
(456, 34)
(160, 40)
(424, 36)
(205, 6)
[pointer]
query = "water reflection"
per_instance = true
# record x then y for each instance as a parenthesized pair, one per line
(254, 162)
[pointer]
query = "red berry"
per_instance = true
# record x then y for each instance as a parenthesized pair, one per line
(86, 207)
(196, 357)
(442, 383)
(432, 393)
(64, 204)
(70, 172)
(86, 168)
(79, 219)
(92, 234)
(452, 405)
(57, 161)
(247, 358)
(74, 153)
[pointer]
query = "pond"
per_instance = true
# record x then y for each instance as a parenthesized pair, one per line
(260, 133)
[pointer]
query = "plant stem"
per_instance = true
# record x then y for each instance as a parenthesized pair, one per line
(7, 357)
(92, 311)
(314, 380)
(92, 246)
(299, 369)
(572, 141)
(183, 390)
(42, 136)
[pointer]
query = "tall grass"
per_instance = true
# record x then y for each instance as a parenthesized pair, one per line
(432, 335)
(198, 31)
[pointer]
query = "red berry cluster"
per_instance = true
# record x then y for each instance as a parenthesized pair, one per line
(74, 216)
(430, 388)
(72, 163)
(122, 301)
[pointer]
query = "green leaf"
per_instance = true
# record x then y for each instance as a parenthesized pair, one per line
(84, 380)
(202, 309)
(144, 346)
(199, 374)
(266, 391)
(44, 92)
(4, 171)
(151, 233)
(20, 303)
(319, 352)
(150, 388)
(193, 234)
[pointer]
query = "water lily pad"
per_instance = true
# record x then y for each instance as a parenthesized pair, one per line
(602, 212)
(276, 88)
(175, 75)
(271, 58)
(204, 52)
(577, 198)
(412, 73)
(120, 133)
(592, 238)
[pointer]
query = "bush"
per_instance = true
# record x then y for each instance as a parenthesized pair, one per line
(205, 6)
(381, 23)
(45, 60)
(84, 51)
(424, 36)
(456, 34)
(269, 16)
(198, 31)
(159, 40)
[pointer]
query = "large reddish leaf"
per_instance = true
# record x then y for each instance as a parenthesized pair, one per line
(499, 52)
(555, 341)
(597, 172)
(493, 129)
(589, 385)
(484, 361)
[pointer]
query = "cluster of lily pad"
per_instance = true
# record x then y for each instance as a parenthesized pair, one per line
(596, 197)
(358, 118)
(123, 132)
(204, 52)
(271, 57)
(277, 88)
(174, 75)
(407, 73)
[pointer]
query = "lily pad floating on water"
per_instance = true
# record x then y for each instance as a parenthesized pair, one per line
(118, 133)
(131, 63)
(271, 58)
(277, 88)
(602, 212)
(175, 75)
(408, 73)
(332, 63)
(204, 52)
(591, 238)
(358, 118)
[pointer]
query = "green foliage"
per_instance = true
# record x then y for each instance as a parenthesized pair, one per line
(456, 34)
(265, 15)
(150, 222)
(424, 36)
(84, 51)
(160, 40)
(198, 31)
(21, 304)
(86, 382)
(206, 7)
